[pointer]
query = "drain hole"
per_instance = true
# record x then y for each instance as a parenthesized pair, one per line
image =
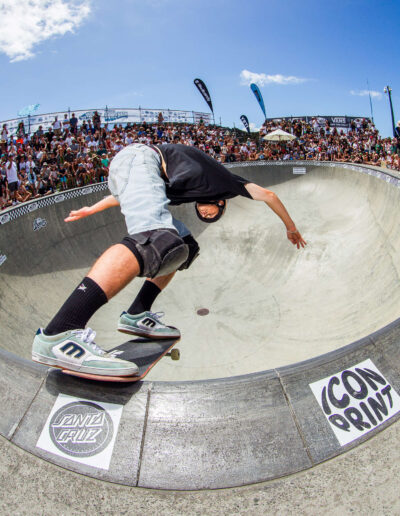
(203, 311)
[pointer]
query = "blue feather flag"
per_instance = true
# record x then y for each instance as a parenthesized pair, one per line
(256, 90)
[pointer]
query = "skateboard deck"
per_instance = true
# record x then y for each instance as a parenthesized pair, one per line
(145, 353)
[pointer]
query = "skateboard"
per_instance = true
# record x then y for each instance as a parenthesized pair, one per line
(145, 353)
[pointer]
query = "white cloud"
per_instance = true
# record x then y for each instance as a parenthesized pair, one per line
(26, 23)
(365, 93)
(254, 128)
(263, 79)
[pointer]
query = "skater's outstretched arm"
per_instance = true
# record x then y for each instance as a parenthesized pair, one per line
(104, 204)
(259, 193)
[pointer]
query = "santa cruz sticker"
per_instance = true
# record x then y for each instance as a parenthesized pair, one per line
(356, 400)
(39, 223)
(81, 430)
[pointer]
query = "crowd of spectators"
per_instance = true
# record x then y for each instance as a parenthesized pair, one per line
(360, 144)
(66, 154)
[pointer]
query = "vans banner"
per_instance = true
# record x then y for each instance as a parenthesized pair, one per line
(340, 122)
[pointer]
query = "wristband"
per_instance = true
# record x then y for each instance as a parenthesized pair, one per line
(288, 231)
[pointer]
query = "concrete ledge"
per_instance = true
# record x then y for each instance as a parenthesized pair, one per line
(20, 381)
(205, 434)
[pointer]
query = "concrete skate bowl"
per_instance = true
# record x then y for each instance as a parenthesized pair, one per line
(238, 407)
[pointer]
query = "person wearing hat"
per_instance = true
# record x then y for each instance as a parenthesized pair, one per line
(143, 181)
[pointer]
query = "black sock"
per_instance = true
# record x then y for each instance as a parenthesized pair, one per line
(144, 299)
(84, 301)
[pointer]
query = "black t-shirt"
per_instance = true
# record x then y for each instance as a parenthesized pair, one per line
(195, 176)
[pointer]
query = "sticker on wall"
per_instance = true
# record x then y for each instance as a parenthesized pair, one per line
(87, 190)
(39, 224)
(356, 400)
(81, 430)
(5, 218)
(33, 206)
(3, 258)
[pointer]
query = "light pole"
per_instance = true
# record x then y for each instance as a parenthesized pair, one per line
(388, 90)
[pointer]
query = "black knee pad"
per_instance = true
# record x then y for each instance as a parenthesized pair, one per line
(159, 252)
(194, 251)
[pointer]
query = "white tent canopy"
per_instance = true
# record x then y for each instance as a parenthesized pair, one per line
(279, 136)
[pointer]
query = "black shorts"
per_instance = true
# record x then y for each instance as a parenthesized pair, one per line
(158, 251)
(13, 187)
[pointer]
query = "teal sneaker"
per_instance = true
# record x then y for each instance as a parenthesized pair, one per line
(76, 350)
(147, 324)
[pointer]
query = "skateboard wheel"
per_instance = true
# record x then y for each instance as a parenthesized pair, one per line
(175, 354)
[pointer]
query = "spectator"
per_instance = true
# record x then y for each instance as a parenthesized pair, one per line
(32, 180)
(43, 186)
(12, 178)
(56, 126)
(22, 194)
(96, 121)
(21, 130)
(53, 177)
(3, 193)
(4, 133)
(3, 185)
(73, 124)
(40, 131)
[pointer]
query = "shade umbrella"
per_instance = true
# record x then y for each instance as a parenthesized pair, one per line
(279, 136)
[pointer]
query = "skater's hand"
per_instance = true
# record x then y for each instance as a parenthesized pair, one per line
(296, 239)
(104, 204)
(79, 214)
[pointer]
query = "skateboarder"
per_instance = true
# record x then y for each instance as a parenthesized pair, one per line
(143, 180)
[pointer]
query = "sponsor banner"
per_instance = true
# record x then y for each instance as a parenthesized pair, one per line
(340, 122)
(356, 400)
(109, 116)
(299, 170)
(245, 122)
(81, 430)
(200, 117)
(204, 91)
(256, 90)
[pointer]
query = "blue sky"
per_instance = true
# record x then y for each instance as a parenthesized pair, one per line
(307, 57)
